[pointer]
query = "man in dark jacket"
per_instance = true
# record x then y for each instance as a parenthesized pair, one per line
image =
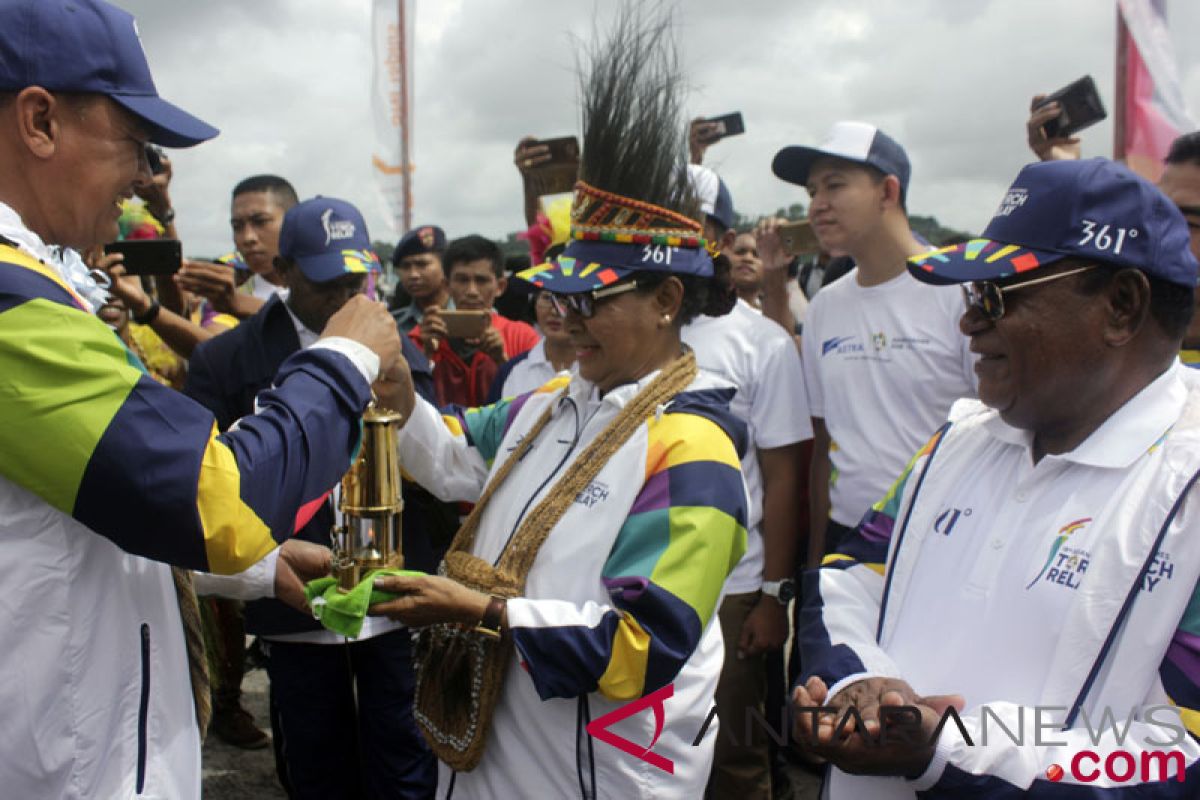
(326, 743)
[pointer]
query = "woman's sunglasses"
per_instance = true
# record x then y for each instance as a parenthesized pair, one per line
(584, 303)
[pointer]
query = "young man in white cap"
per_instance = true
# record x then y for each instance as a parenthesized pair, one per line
(883, 359)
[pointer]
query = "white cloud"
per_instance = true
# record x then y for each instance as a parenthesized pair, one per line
(288, 82)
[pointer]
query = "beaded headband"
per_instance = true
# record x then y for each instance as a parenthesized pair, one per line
(613, 236)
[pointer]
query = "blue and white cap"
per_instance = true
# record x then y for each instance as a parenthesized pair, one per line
(859, 142)
(1095, 210)
(89, 46)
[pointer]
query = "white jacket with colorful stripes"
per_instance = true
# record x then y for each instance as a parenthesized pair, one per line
(621, 599)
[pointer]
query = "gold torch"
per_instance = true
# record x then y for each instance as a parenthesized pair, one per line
(369, 536)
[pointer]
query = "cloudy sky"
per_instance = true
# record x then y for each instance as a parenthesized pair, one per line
(288, 82)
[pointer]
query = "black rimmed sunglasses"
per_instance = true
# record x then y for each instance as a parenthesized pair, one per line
(584, 303)
(988, 297)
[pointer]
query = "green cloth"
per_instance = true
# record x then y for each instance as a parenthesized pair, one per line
(343, 612)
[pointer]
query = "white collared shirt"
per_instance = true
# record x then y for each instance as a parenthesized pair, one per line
(1011, 548)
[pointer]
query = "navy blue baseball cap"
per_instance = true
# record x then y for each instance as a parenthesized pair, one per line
(851, 141)
(421, 239)
(714, 196)
(327, 238)
(1094, 209)
(91, 47)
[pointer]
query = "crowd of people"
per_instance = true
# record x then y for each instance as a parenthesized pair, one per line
(666, 459)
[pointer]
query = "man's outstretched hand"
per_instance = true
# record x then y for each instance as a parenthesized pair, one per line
(300, 562)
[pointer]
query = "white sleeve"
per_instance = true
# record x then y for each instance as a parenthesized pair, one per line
(441, 459)
(779, 409)
(253, 583)
(363, 357)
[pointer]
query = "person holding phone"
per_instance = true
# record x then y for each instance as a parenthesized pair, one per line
(467, 358)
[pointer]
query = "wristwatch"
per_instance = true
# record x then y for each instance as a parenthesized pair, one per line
(783, 590)
(493, 617)
(149, 315)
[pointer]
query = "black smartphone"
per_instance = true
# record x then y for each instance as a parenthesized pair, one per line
(149, 256)
(562, 170)
(726, 125)
(1081, 108)
(154, 155)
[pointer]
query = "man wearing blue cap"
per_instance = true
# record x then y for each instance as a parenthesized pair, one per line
(324, 258)
(106, 473)
(883, 359)
(1035, 568)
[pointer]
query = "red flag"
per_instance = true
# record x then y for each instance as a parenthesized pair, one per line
(1149, 109)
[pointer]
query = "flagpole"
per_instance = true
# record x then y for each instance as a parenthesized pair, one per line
(1120, 86)
(405, 164)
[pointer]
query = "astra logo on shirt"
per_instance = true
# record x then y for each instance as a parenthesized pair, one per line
(881, 346)
(1064, 565)
(840, 344)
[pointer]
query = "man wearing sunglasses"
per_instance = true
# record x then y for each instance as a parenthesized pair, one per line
(1039, 557)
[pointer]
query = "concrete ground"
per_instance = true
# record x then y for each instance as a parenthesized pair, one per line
(229, 773)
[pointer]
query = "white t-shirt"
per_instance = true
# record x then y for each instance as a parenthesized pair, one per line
(758, 357)
(882, 364)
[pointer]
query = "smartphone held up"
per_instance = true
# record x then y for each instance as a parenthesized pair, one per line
(148, 256)
(558, 172)
(1081, 108)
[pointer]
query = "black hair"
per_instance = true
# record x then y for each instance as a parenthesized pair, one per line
(713, 296)
(473, 248)
(1171, 304)
(284, 192)
(1185, 149)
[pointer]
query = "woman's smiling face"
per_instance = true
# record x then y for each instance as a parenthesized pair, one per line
(628, 335)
